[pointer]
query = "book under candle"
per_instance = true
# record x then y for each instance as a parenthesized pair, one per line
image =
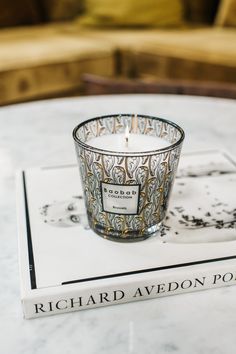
(64, 266)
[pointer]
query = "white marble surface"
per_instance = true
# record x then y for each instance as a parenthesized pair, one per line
(196, 323)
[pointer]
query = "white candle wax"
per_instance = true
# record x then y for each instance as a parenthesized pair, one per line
(136, 143)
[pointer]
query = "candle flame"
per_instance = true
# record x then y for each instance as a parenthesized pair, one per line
(126, 136)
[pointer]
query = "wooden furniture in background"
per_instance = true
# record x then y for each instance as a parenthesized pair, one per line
(97, 85)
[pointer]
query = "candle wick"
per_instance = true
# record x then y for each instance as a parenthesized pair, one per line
(127, 136)
(126, 141)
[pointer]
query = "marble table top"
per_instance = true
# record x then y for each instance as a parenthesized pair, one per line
(39, 133)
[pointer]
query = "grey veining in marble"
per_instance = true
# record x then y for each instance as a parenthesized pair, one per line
(40, 134)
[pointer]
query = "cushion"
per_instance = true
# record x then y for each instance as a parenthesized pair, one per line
(226, 15)
(133, 13)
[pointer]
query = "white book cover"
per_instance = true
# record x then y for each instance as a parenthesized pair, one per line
(65, 266)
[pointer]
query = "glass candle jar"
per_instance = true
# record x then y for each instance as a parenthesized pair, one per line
(127, 164)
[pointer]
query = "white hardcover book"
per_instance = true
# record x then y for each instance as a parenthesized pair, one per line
(65, 266)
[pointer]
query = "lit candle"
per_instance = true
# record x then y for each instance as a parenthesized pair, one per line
(126, 176)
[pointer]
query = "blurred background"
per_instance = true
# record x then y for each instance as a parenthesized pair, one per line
(56, 48)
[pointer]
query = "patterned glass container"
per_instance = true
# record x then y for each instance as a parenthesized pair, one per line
(127, 193)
